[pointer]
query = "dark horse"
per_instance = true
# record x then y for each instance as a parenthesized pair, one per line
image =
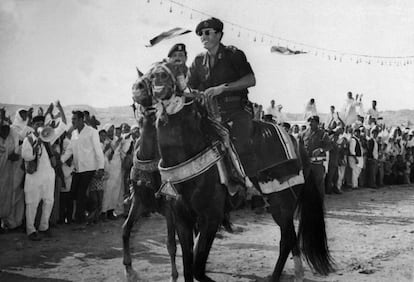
(183, 133)
(188, 167)
(146, 178)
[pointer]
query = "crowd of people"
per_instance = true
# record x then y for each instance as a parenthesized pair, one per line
(359, 149)
(80, 174)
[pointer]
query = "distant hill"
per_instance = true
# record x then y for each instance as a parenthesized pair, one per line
(120, 114)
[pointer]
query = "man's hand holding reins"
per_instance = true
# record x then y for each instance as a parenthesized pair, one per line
(216, 90)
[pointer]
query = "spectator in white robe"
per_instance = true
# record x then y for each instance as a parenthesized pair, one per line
(280, 117)
(40, 184)
(18, 130)
(355, 158)
(310, 109)
(7, 156)
(113, 192)
(349, 110)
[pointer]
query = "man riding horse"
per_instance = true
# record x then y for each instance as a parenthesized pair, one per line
(224, 74)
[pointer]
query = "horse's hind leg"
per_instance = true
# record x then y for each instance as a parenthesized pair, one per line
(171, 244)
(208, 229)
(135, 212)
(282, 209)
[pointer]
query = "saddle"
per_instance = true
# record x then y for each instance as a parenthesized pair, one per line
(276, 152)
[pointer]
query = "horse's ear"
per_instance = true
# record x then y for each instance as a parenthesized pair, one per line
(140, 74)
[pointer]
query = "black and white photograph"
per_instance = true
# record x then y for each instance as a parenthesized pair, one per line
(212, 141)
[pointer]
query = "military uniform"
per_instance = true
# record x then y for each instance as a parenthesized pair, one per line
(311, 142)
(235, 109)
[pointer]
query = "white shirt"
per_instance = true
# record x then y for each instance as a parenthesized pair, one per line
(86, 150)
(373, 113)
(331, 118)
(272, 111)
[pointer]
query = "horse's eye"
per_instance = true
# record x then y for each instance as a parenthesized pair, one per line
(152, 76)
(164, 76)
(140, 86)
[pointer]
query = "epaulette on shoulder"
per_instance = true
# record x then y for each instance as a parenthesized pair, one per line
(231, 48)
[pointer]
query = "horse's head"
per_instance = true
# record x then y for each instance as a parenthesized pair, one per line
(167, 79)
(142, 90)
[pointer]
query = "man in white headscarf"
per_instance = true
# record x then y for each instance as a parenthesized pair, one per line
(280, 116)
(18, 130)
(21, 121)
(349, 110)
(310, 109)
(113, 186)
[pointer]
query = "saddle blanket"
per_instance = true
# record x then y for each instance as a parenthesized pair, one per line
(273, 145)
(274, 185)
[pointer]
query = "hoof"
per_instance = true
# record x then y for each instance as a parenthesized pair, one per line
(131, 276)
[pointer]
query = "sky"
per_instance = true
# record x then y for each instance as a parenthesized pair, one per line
(85, 52)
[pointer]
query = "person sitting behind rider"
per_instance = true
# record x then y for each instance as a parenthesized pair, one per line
(177, 56)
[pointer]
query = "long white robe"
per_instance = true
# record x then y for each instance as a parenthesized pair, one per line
(113, 190)
(18, 130)
(38, 186)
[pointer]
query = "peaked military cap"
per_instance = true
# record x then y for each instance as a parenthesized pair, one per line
(315, 118)
(177, 47)
(213, 23)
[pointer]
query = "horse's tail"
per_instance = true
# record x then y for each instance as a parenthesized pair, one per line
(312, 235)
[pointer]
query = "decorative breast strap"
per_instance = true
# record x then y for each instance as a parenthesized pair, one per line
(146, 165)
(189, 169)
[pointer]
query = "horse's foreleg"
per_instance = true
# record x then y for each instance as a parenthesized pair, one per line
(185, 234)
(135, 212)
(171, 244)
(208, 230)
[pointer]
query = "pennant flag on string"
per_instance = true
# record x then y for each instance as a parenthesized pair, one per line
(168, 35)
(285, 51)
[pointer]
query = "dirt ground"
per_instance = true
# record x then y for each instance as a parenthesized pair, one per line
(370, 232)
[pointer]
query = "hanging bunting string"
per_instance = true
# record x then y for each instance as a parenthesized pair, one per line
(261, 37)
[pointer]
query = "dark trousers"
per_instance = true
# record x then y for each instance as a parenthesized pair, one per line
(241, 130)
(96, 198)
(371, 173)
(380, 174)
(331, 178)
(65, 207)
(80, 183)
